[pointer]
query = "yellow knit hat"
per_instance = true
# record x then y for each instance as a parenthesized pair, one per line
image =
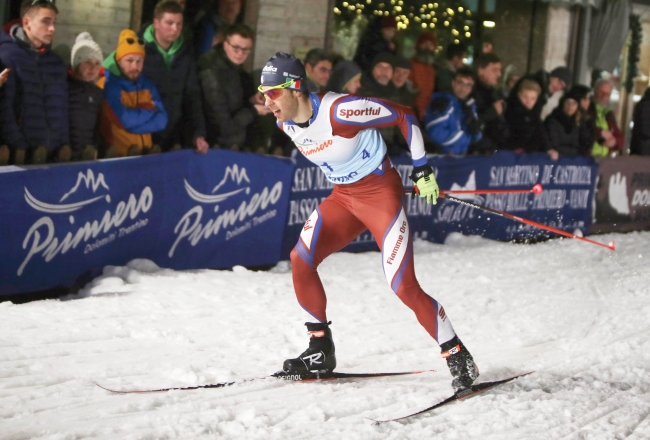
(129, 43)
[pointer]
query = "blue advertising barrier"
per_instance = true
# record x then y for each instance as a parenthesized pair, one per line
(566, 203)
(181, 210)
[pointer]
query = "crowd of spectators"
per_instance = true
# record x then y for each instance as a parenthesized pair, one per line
(172, 86)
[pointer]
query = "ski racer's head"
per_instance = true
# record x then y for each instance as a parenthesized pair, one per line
(284, 88)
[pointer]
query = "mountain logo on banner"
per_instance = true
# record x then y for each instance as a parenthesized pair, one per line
(232, 174)
(469, 185)
(194, 227)
(86, 179)
(89, 230)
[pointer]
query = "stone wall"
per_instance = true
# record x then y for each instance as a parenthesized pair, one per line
(558, 37)
(104, 19)
(289, 26)
(513, 30)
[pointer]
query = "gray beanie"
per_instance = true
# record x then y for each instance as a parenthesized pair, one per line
(85, 48)
(343, 72)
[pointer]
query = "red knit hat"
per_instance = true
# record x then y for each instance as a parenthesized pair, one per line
(427, 36)
(389, 22)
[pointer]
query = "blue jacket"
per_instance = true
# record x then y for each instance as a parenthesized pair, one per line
(34, 102)
(446, 123)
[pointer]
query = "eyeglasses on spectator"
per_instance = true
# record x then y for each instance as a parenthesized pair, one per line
(239, 49)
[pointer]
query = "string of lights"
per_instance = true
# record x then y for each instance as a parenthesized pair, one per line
(442, 16)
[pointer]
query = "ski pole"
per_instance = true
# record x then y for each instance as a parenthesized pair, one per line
(537, 189)
(609, 246)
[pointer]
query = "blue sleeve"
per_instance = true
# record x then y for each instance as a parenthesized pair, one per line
(133, 120)
(444, 129)
(11, 133)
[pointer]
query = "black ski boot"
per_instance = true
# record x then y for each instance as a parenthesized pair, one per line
(320, 354)
(461, 365)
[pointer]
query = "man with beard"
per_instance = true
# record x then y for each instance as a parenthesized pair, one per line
(132, 107)
(423, 73)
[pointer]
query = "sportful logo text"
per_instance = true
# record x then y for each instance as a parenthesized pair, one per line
(361, 111)
(51, 246)
(369, 111)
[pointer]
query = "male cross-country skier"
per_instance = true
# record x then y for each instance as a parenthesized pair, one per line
(339, 134)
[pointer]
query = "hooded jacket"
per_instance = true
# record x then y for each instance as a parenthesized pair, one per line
(131, 110)
(34, 100)
(564, 133)
(85, 101)
(526, 130)
(174, 74)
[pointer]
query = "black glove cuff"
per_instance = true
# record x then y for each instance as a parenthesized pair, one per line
(420, 172)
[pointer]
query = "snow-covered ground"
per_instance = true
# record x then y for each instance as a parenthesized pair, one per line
(576, 314)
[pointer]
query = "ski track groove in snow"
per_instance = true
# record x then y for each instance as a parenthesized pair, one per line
(573, 312)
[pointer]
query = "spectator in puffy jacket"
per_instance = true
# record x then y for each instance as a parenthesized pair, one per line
(34, 101)
(132, 107)
(563, 127)
(85, 97)
(552, 84)
(232, 103)
(526, 130)
(169, 63)
(451, 119)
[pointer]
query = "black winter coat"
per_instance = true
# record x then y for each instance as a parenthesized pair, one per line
(34, 102)
(640, 143)
(180, 92)
(371, 44)
(495, 128)
(526, 130)
(564, 134)
(542, 78)
(227, 89)
(85, 100)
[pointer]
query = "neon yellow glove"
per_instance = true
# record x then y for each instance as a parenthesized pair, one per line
(425, 183)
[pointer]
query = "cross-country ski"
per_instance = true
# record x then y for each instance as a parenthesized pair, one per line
(305, 377)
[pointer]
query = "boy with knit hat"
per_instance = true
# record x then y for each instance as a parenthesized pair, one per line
(85, 97)
(132, 107)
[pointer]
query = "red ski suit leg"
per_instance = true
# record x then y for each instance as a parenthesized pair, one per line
(374, 203)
